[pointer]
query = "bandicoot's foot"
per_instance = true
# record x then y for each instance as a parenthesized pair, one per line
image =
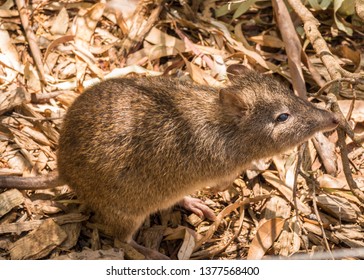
(198, 207)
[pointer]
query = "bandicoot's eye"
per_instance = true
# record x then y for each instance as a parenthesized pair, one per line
(282, 117)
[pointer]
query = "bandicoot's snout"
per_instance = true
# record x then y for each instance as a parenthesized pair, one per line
(334, 122)
(329, 121)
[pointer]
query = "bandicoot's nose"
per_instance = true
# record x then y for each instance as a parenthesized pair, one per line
(330, 121)
(335, 120)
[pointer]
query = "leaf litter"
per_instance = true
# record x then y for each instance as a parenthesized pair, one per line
(72, 45)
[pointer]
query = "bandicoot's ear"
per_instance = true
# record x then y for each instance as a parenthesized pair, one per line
(236, 71)
(232, 102)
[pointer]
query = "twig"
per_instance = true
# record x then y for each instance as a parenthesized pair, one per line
(38, 98)
(292, 45)
(225, 212)
(37, 55)
(351, 108)
(193, 48)
(346, 165)
(36, 119)
(331, 98)
(298, 166)
(337, 254)
(314, 203)
(330, 83)
(316, 76)
(140, 26)
(318, 42)
(223, 248)
(301, 150)
(343, 130)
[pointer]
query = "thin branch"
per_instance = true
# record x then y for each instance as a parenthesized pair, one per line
(223, 213)
(346, 165)
(42, 97)
(298, 166)
(292, 45)
(314, 204)
(141, 25)
(337, 254)
(193, 48)
(318, 42)
(35, 119)
(37, 55)
(330, 83)
(343, 130)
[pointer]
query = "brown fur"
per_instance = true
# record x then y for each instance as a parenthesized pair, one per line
(132, 146)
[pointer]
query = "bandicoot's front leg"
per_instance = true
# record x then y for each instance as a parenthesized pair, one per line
(198, 207)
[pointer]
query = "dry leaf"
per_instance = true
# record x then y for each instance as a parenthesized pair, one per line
(157, 37)
(187, 247)
(39, 243)
(87, 254)
(338, 207)
(60, 23)
(9, 56)
(329, 182)
(286, 191)
(9, 200)
(277, 207)
(289, 242)
(264, 238)
(32, 77)
(268, 41)
(358, 110)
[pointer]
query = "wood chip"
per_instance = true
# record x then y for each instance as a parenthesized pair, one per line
(338, 207)
(9, 200)
(36, 136)
(87, 254)
(38, 243)
(315, 229)
(130, 252)
(10, 99)
(194, 220)
(73, 231)
(348, 241)
(30, 225)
